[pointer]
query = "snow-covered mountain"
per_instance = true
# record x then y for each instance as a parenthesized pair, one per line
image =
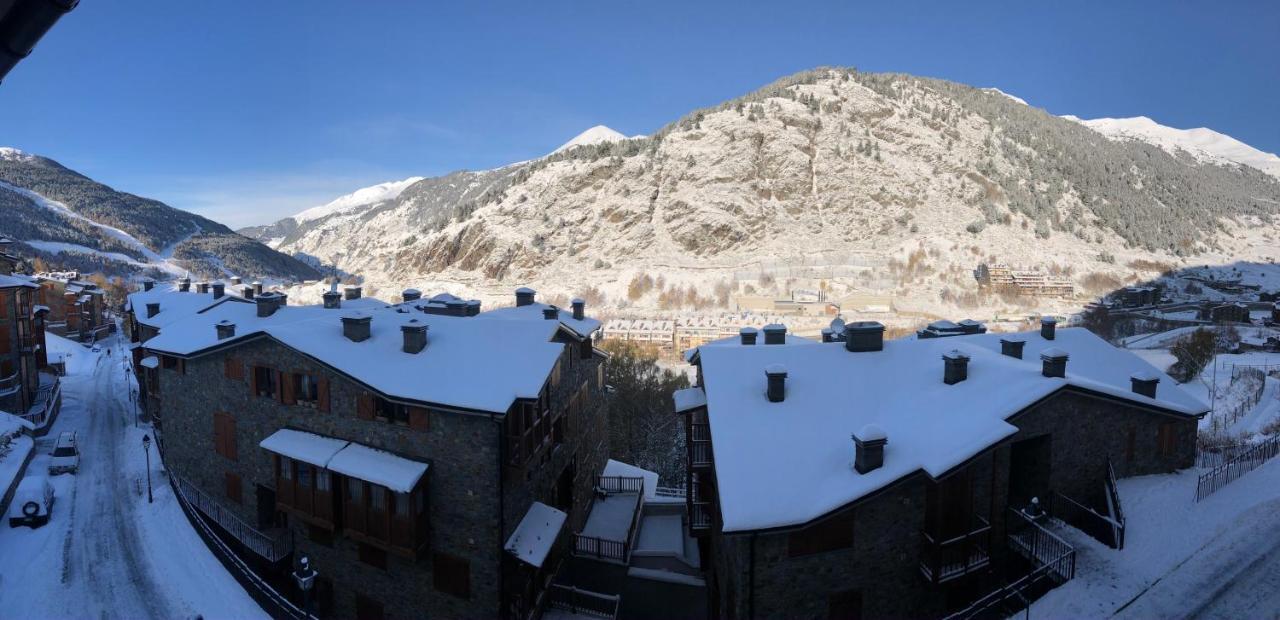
(359, 198)
(1205, 145)
(74, 223)
(594, 135)
(856, 182)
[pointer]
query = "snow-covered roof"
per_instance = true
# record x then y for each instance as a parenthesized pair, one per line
(689, 398)
(582, 328)
(736, 341)
(786, 463)
(468, 363)
(13, 281)
(175, 305)
(533, 538)
(625, 470)
(347, 458)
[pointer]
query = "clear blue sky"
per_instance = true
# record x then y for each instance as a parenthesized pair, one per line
(245, 111)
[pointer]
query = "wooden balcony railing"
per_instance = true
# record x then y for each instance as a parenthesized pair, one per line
(944, 560)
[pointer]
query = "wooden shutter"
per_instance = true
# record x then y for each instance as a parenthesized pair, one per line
(253, 381)
(233, 368)
(182, 366)
(451, 575)
(419, 419)
(233, 487)
(4, 338)
(364, 407)
(287, 394)
(322, 395)
(218, 442)
(4, 305)
(229, 436)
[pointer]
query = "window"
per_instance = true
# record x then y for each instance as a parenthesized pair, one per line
(388, 411)
(1130, 440)
(367, 608)
(233, 487)
(1166, 439)
(319, 535)
(451, 575)
(168, 362)
(306, 389)
(264, 381)
(827, 535)
(555, 374)
(372, 556)
(233, 368)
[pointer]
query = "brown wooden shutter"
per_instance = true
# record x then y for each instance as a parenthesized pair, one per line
(233, 487)
(229, 436)
(253, 381)
(419, 419)
(233, 368)
(4, 338)
(287, 394)
(322, 395)
(364, 407)
(182, 366)
(4, 305)
(217, 434)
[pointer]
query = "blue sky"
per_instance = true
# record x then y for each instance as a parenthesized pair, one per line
(246, 111)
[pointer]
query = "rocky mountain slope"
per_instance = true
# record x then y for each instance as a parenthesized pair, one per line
(73, 222)
(833, 178)
(1202, 143)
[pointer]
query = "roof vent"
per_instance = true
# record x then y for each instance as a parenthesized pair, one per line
(1012, 347)
(415, 336)
(551, 312)
(267, 303)
(184, 285)
(1048, 325)
(257, 288)
(148, 284)
(579, 306)
(861, 336)
(1055, 362)
(775, 333)
(411, 294)
(776, 375)
(247, 292)
(869, 448)
(219, 289)
(226, 329)
(153, 309)
(525, 296)
(748, 335)
(955, 367)
(351, 292)
(355, 326)
(1144, 383)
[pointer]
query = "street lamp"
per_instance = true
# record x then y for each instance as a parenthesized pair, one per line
(146, 449)
(306, 578)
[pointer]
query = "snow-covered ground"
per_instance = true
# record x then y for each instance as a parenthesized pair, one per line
(1219, 558)
(107, 553)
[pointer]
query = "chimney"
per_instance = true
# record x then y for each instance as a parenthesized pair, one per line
(1012, 347)
(355, 326)
(236, 280)
(1144, 383)
(184, 285)
(776, 377)
(148, 284)
(955, 367)
(828, 335)
(415, 336)
(579, 306)
(1048, 325)
(525, 296)
(748, 335)
(282, 299)
(202, 288)
(247, 293)
(861, 336)
(456, 307)
(268, 303)
(1055, 362)
(332, 299)
(775, 333)
(153, 309)
(551, 312)
(351, 292)
(226, 329)
(218, 290)
(869, 448)
(411, 294)
(473, 307)
(257, 288)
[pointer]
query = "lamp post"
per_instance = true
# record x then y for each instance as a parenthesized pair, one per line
(305, 576)
(146, 449)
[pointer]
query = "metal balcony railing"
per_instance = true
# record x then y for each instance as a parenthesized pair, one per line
(947, 559)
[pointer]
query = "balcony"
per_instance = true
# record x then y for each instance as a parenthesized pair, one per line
(699, 445)
(952, 558)
(9, 384)
(611, 525)
(272, 547)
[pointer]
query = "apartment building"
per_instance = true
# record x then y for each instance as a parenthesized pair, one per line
(863, 478)
(29, 389)
(428, 461)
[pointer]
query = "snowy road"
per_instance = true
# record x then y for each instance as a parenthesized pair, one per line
(107, 553)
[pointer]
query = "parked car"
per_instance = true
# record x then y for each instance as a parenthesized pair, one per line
(32, 502)
(66, 455)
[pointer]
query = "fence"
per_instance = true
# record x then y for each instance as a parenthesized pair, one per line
(1113, 503)
(272, 549)
(1106, 529)
(1229, 417)
(1239, 465)
(620, 484)
(1211, 455)
(583, 602)
(1054, 562)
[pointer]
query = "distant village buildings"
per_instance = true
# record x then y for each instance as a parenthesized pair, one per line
(1000, 276)
(77, 308)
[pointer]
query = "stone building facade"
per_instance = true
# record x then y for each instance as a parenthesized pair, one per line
(28, 387)
(476, 488)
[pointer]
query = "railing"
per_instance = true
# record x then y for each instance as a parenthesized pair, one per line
(1211, 455)
(9, 384)
(599, 548)
(583, 602)
(700, 515)
(1113, 502)
(1241, 464)
(957, 556)
(602, 548)
(271, 548)
(662, 491)
(1049, 569)
(620, 484)
(1097, 525)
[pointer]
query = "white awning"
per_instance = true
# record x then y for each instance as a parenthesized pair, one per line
(536, 534)
(378, 466)
(150, 361)
(303, 446)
